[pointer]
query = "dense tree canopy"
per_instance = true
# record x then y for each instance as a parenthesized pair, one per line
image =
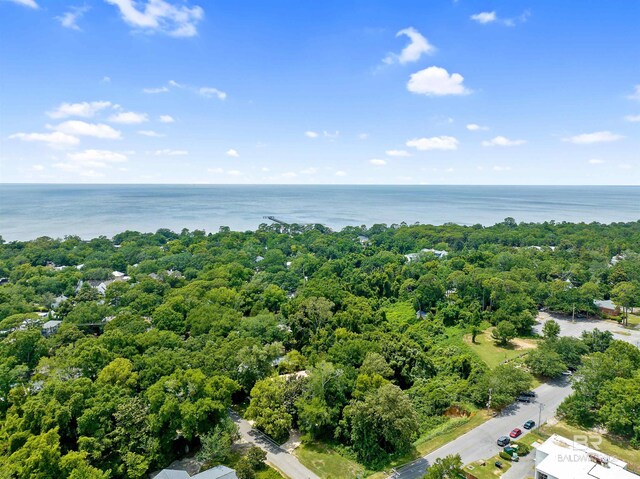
(161, 333)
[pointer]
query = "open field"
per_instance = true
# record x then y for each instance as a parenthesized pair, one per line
(327, 463)
(494, 355)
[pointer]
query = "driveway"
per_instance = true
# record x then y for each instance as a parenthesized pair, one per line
(480, 443)
(286, 463)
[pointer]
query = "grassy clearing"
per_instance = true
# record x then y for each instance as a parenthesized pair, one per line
(609, 445)
(269, 473)
(327, 463)
(400, 314)
(487, 469)
(494, 355)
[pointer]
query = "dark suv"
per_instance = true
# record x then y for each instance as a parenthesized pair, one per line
(503, 441)
(529, 394)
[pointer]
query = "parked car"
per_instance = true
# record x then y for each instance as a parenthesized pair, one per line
(503, 441)
(529, 424)
(529, 394)
(526, 399)
(515, 433)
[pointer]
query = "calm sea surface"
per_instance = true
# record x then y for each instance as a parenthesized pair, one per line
(30, 211)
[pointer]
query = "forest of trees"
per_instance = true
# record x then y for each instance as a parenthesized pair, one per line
(144, 372)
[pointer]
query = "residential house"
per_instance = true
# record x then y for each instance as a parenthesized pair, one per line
(607, 307)
(218, 472)
(50, 327)
(562, 458)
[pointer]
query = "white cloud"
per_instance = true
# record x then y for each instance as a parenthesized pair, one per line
(129, 118)
(311, 134)
(625, 166)
(160, 16)
(636, 93)
(166, 119)
(208, 92)
(377, 162)
(596, 161)
(501, 168)
(55, 138)
(82, 128)
(97, 158)
(434, 143)
(150, 133)
(169, 152)
(476, 127)
(363, 136)
(402, 153)
(484, 17)
(331, 136)
(26, 3)
(341, 173)
(632, 118)
(218, 171)
(70, 19)
(436, 81)
(502, 141)
(289, 174)
(234, 173)
(492, 17)
(417, 46)
(595, 137)
(151, 91)
(37, 168)
(79, 169)
(233, 153)
(309, 171)
(84, 109)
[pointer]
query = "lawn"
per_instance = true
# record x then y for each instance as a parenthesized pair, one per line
(269, 473)
(487, 469)
(327, 463)
(494, 355)
(609, 445)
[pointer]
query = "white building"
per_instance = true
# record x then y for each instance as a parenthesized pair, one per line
(562, 458)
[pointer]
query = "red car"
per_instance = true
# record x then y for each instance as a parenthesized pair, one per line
(515, 433)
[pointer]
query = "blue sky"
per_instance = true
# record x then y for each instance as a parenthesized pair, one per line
(395, 92)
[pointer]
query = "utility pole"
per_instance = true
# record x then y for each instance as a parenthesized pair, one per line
(541, 407)
(489, 401)
(573, 314)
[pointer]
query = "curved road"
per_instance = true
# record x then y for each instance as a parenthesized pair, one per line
(286, 463)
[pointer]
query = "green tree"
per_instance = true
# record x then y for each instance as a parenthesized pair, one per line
(550, 330)
(627, 295)
(382, 423)
(544, 361)
(216, 445)
(448, 467)
(503, 333)
(267, 408)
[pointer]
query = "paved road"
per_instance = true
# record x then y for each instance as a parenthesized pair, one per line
(480, 443)
(286, 463)
(575, 328)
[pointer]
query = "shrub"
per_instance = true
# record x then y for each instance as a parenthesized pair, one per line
(505, 456)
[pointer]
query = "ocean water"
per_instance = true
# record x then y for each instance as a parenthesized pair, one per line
(31, 211)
